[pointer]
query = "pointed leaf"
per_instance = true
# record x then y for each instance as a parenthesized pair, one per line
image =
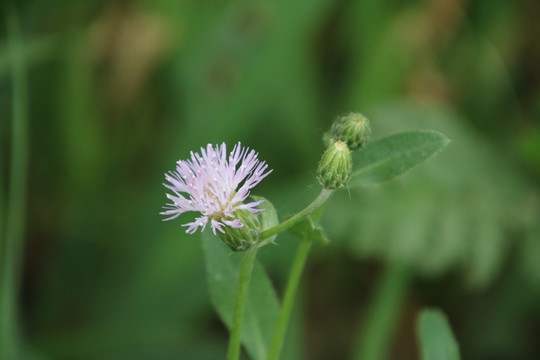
(436, 339)
(384, 159)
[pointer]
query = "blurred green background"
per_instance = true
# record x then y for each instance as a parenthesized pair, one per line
(120, 90)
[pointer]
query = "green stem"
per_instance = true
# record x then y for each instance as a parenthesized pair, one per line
(288, 299)
(317, 203)
(12, 249)
(246, 268)
(245, 274)
(35, 51)
(374, 336)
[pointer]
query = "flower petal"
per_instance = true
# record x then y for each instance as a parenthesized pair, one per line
(234, 223)
(200, 221)
(216, 225)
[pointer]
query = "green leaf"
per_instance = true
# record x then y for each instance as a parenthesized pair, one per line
(262, 307)
(268, 217)
(436, 339)
(386, 158)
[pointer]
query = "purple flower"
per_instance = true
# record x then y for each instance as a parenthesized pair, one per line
(215, 186)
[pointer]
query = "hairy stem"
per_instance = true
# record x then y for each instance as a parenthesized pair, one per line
(246, 268)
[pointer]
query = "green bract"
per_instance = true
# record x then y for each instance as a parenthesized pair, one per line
(354, 129)
(245, 237)
(335, 166)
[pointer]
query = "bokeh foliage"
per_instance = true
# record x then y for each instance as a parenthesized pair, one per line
(120, 90)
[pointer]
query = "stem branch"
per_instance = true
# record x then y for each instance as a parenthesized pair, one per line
(246, 268)
(317, 203)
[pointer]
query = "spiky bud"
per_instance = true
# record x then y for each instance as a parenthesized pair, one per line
(354, 129)
(335, 166)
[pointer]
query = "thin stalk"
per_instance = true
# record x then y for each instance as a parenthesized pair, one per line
(288, 300)
(246, 268)
(35, 51)
(317, 203)
(375, 334)
(12, 249)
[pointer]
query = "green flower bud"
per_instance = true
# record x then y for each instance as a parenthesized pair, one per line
(245, 237)
(336, 166)
(354, 129)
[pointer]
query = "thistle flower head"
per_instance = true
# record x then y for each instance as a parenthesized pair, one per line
(215, 184)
